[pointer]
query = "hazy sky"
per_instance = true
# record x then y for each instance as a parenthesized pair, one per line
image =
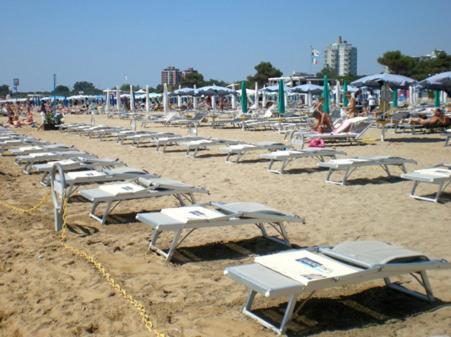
(104, 41)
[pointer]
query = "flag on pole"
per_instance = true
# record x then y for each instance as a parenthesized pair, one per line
(315, 54)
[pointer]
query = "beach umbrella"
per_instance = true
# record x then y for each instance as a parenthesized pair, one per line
(132, 99)
(179, 98)
(233, 98)
(185, 92)
(215, 90)
(345, 92)
(377, 80)
(325, 94)
(307, 88)
(281, 98)
(263, 98)
(147, 99)
(194, 99)
(165, 98)
(256, 95)
(394, 98)
(337, 92)
(441, 81)
(437, 98)
(107, 103)
(118, 98)
(243, 98)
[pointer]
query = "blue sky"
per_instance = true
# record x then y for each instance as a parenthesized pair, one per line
(104, 41)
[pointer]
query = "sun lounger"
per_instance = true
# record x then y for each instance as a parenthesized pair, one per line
(24, 150)
(26, 161)
(350, 131)
(306, 271)
(141, 188)
(440, 176)
(288, 156)
(349, 165)
(73, 180)
(74, 164)
(173, 140)
(213, 215)
(240, 149)
(193, 146)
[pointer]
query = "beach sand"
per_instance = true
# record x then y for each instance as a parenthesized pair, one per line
(47, 291)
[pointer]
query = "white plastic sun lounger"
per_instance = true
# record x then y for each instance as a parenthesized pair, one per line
(288, 156)
(357, 126)
(214, 214)
(142, 188)
(24, 150)
(7, 144)
(73, 180)
(168, 141)
(349, 165)
(74, 164)
(447, 137)
(193, 146)
(307, 271)
(26, 161)
(240, 149)
(440, 176)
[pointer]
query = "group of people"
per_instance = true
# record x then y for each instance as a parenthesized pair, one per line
(18, 114)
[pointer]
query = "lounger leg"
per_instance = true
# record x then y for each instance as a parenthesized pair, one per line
(238, 157)
(228, 157)
(429, 296)
(284, 165)
(174, 244)
(106, 212)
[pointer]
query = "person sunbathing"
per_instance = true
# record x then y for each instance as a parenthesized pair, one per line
(323, 122)
(437, 120)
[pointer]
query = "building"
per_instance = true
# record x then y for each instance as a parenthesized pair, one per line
(189, 71)
(297, 78)
(341, 56)
(172, 76)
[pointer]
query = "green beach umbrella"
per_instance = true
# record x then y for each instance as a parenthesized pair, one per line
(437, 98)
(394, 98)
(345, 92)
(281, 98)
(325, 94)
(243, 98)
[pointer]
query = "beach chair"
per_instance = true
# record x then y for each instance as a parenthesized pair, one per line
(349, 165)
(35, 148)
(240, 149)
(306, 271)
(194, 121)
(73, 180)
(141, 188)
(447, 137)
(26, 161)
(349, 131)
(288, 156)
(194, 146)
(214, 214)
(166, 141)
(74, 164)
(440, 176)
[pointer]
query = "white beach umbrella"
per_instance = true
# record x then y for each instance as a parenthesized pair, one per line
(195, 99)
(256, 95)
(147, 99)
(165, 99)
(132, 99)
(118, 99)
(179, 98)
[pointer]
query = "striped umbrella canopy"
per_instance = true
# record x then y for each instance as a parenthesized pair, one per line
(306, 88)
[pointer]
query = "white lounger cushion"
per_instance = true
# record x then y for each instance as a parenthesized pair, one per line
(192, 213)
(121, 188)
(84, 174)
(435, 172)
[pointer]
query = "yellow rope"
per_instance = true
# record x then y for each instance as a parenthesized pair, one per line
(141, 310)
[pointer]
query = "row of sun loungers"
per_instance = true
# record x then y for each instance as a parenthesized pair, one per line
(288, 274)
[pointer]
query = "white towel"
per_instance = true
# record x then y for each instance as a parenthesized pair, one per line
(122, 188)
(192, 213)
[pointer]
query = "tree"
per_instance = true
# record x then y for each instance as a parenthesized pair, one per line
(4, 90)
(398, 63)
(86, 87)
(193, 78)
(331, 73)
(264, 70)
(62, 90)
(126, 87)
(219, 83)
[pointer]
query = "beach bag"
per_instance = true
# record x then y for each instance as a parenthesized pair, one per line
(316, 142)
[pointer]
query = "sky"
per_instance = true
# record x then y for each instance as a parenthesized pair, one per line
(114, 42)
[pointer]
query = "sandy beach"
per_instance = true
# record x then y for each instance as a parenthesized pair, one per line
(46, 291)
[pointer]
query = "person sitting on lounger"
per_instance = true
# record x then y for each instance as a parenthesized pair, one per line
(439, 119)
(323, 121)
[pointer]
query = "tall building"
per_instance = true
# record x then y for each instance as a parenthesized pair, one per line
(171, 76)
(189, 71)
(342, 57)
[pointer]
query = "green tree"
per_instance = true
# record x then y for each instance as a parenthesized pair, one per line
(331, 73)
(264, 70)
(398, 63)
(126, 87)
(219, 83)
(62, 90)
(4, 90)
(193, 78)
(86, 88)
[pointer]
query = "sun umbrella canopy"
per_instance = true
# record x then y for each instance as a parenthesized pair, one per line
(185, 92)
(306, 88)
(377, 80)
(440, 81)
(215, 90)
(273, 88)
